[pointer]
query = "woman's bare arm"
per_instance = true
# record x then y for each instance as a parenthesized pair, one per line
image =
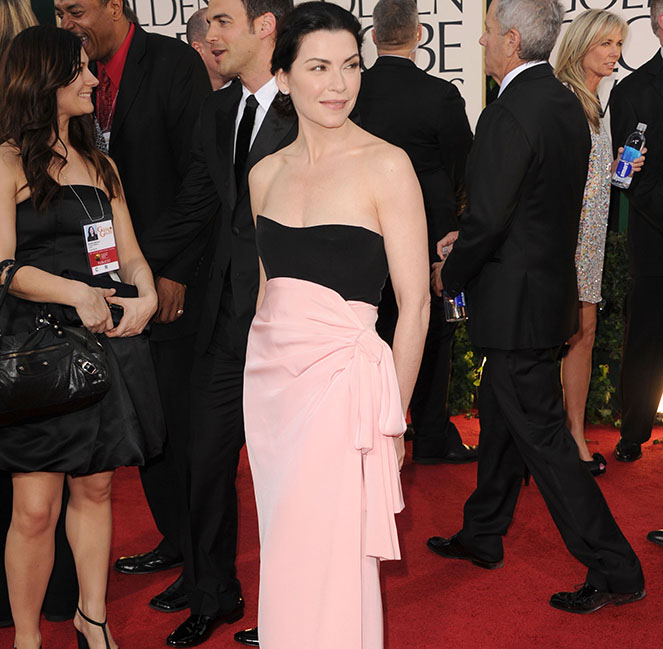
(402, 219)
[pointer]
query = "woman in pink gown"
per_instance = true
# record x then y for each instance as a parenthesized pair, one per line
(323, 397)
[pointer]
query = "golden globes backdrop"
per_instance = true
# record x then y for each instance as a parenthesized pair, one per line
(451, 29)
(449, 47)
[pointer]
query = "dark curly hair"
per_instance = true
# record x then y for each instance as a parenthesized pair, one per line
(40, 60)
(305, 19)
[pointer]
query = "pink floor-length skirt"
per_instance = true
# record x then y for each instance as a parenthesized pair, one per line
(321, 402)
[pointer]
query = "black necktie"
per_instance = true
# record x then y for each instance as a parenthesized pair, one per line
(244, 137)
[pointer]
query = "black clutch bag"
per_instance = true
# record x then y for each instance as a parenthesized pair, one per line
(49, 370)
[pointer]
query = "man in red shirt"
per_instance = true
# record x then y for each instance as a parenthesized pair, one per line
(150, 92)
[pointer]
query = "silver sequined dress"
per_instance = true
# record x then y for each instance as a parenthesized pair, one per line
(594, 219)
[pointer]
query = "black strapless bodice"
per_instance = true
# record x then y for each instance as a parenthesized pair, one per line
(348, 259)
(53, 240)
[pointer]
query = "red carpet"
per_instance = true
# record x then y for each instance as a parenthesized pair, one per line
(433, 603)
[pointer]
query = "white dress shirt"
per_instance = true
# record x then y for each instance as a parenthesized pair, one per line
(264, 96)
(516, 71)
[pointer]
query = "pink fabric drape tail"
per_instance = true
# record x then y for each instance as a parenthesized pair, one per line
(321, 401)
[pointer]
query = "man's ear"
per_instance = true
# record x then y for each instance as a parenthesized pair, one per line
(265, 25)
(117, 9)
(513, 41)
(374, 37)
(420, 31)
(198, 47)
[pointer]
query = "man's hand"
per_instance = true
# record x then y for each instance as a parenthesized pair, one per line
(436, 278)
(171, 300)
(446, 244)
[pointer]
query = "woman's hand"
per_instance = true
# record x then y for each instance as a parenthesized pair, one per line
(399, 445)
(137, 313)
(93, 310)
(637, 164)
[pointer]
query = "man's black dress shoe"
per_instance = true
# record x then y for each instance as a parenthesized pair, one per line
(146, 563)
(459, 456)
(452, 548)
(656, 537)
(174, 598)
(198, 628)
(626, 452)
(248, 637)
(588, 599)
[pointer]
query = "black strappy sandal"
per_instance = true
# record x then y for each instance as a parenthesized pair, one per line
(82, 640)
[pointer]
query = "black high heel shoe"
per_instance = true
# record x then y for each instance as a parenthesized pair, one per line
(82, 640)
(596, 465)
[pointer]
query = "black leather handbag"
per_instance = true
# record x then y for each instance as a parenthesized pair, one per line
(50, 370)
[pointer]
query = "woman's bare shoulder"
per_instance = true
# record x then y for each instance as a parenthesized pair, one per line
(12, 177)
(10, 156)
(261, 177)
(383, 160)
(266, 169)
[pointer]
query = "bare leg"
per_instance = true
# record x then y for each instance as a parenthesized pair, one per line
(30, 549)
(576, 375)
(89, 524)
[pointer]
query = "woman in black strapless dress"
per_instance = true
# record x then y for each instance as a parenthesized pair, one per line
(54, 186)
(324, 399)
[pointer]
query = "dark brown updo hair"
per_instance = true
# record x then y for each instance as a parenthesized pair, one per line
(305, 19)
(39, 61)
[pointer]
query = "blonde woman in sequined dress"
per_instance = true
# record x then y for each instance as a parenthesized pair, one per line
(589, 52)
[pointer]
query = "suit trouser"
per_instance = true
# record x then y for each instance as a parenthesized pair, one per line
(165, 478)
(217, 437)
(435, 434)
(523, 424)
(641, 380)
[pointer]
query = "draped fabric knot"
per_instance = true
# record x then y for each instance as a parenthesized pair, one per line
(368, 343)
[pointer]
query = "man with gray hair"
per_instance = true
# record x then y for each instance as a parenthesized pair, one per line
(639, 98)
(514, 256)
(425, 116)
(196, 36)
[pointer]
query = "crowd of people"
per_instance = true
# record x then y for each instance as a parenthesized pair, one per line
(287, 230)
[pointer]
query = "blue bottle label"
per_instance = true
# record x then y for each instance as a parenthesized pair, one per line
(623, 169)
(460, 299)
(629, 154)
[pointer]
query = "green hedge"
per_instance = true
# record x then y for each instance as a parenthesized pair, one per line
(601, 404)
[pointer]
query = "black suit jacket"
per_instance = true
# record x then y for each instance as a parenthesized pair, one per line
(163, 86)
(639, 98)
(426, 117)
(209, 193)
(515, 253)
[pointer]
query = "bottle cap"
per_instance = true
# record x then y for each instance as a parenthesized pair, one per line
(641, 127)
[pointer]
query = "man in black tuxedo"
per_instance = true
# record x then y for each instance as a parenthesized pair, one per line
(425, 116)
(515, 258)
(639, 98)
(237, 127)
(150, 92)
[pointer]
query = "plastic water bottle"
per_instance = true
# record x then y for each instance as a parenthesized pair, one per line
(634, 144)
(455, 308)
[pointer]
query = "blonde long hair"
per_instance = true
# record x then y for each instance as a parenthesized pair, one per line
(15, 16)
(585, 32)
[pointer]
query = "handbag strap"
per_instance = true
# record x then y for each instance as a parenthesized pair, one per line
(13, 266)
